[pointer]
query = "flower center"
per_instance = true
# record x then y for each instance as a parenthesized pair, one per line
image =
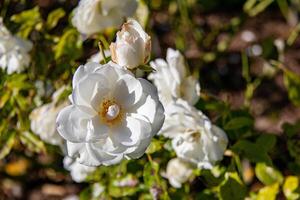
(110, 112)
(192, 135)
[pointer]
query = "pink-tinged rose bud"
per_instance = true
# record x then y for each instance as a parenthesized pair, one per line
(132, 47)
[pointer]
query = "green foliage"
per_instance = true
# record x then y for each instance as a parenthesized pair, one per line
(257, 151)
(29, 20)
(292, 83)
(54, 17)
(291, 188)
(254, 7)
(7, 142)
(69, 45)
(268, 175)
(232, 188)
(209, 42)
(269, 192)
(238, 123)
(32, 142)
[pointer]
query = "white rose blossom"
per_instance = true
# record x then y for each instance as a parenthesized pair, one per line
(43, 119)
(194, 138)
(78, 171)
(92, 16)
(132, 47)
(178, 172)
(14, 51)
(172, 80)
(113, 115)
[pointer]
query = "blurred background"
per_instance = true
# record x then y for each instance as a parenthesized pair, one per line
(246, 54)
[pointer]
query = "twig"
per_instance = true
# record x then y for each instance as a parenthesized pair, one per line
(101, 48)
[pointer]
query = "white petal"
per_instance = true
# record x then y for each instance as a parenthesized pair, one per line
(136, 27)
(217, 144)
(84, 70)
(113, 72)
(80, 153)
(104, 157)
(139, 150)
(131, 131)
(176, 64)
(88, 87)
(130, 55)
(191, 90)
(128, 91)
(150, 106)
(96, 129)
(71, 124)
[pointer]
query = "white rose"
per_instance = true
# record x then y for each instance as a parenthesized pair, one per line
(97, 190)
(43, 119)
(195, 138)
(178, 172)
(14, 55)
(132, 47)
(172, 80)
(79, 172)
(92, 16)
(113, 115)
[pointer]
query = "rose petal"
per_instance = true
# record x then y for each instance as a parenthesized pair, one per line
(128, 91)
(80, 152)
(88, 87)
(131, 131)
(71, 124)
(96, 129)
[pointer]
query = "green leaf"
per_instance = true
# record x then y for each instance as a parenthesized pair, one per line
(54, 17)
(32, 142)
(284, 8)
(7, 144)
(22, 102)
(294, 149)
(291, 129)
(69, 45)
(86, 194)
(292, 84)
(266, 141)
(238, 123)
(255, 152)
(249, 5)
(213, 177)
(155, 146)
(18, 82)
(232, 188)
(268, 175)
(146, 68)
(4, 98)
(291, 184)
(255, 7)
(29, 20)
(269, 192)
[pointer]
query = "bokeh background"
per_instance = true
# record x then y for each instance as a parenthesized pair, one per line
(246, 54)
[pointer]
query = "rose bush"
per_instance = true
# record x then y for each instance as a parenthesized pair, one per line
(119, 136)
